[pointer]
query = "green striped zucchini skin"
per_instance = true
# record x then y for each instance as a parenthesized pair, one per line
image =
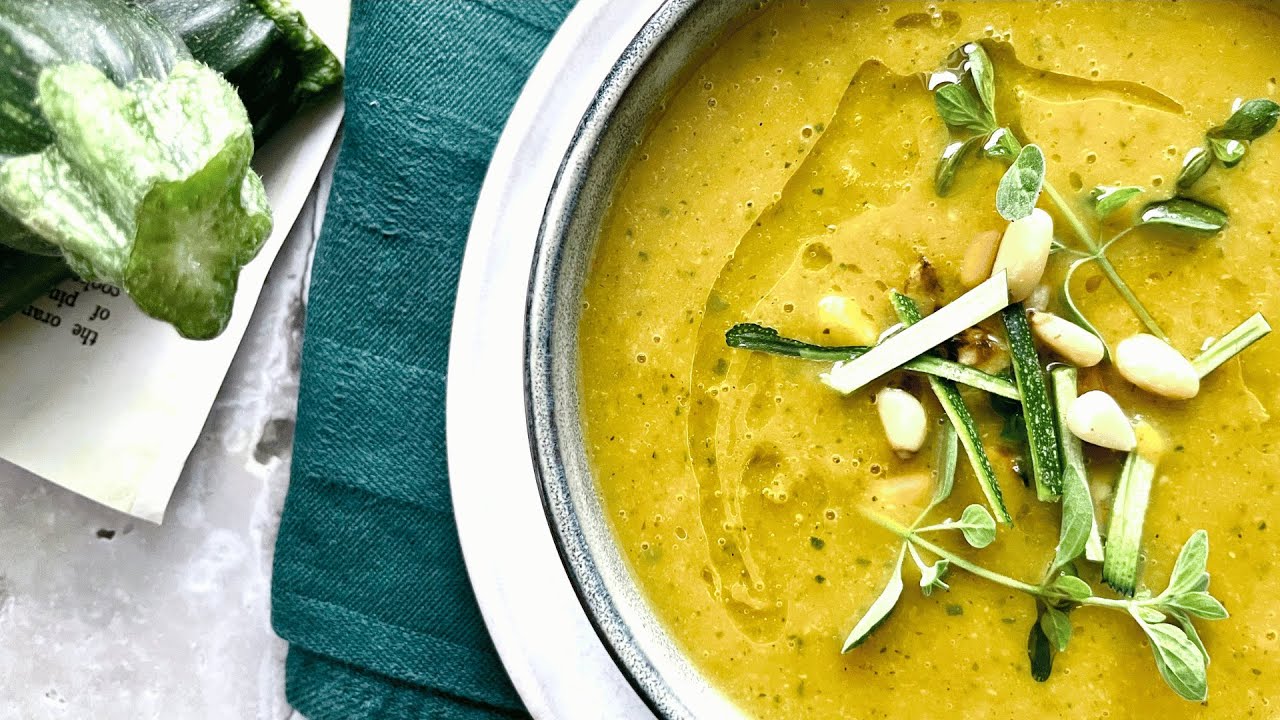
(263, 47)
(122, 40)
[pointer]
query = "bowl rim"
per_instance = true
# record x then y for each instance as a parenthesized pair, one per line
(571, 545)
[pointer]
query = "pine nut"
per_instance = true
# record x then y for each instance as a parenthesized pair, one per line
(1024, 253)
(846, 321)
(1096, 418)
(978, 259)
(1149, 362)
(904, 420)
(1072, 342)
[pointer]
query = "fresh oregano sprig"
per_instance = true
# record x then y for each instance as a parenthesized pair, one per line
(1227, 146)
(1165, 619)
(1228, 143)
(976, 525)
(964, 93)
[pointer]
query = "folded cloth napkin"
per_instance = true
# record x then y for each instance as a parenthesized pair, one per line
(369, 585)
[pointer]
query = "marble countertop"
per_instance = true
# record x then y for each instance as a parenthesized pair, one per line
(107, 617)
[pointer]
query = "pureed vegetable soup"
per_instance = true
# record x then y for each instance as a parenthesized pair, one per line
(826, 154)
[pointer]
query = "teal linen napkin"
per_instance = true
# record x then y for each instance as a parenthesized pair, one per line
(369, 586)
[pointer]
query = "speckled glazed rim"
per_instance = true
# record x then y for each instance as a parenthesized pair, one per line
(615, 120)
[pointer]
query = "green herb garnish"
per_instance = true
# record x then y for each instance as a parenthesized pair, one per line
(1194, 167)
(1163, 618)
(880, 610)
(1020, 188)
(1000, 143)
(960, 109)
(952, 156)
(1249, 122)
(1108, 200)
(1185, 214)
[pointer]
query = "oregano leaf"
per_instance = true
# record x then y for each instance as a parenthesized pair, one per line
(1019, 189)
(1072, 587)
(952, 156)
(979, 66)
(1179, 661)
(1184, 621)
(1199, 604)
(1039, 650)
(960, 109)
(1229, 152)
(1056, 625)
(1107, 199)
(880, 609)
(1194, 166)
(1191, 564)
(1185, 214)
(1148, 614)
(1249, 122)
(977, 526)
(1077, 518)
(933, 577)
(1001, 145)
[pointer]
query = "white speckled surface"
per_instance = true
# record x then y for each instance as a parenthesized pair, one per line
(173, 621)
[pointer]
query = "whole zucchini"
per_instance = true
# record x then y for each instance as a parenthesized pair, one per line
(263, 47)
(127, 158)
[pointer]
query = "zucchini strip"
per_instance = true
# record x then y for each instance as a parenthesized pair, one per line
(1233, 343)
(749, 336)
(963, 313)
(1075, 477)
(1124, 534)
(954, 406)
(1041, 436)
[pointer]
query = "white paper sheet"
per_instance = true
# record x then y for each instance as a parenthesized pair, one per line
(106, 402)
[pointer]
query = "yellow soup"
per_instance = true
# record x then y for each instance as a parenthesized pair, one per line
(796, 163)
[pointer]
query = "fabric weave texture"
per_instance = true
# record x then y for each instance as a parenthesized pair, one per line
(369, 586)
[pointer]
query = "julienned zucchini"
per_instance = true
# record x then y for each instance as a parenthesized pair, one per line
(749, 336)
(127, 157)
(1036, 411)
(958, 412)
(1128, 515)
